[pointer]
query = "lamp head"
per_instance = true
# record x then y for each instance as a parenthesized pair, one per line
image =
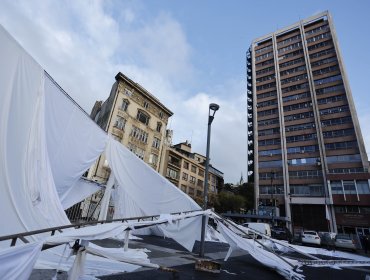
(214, 107)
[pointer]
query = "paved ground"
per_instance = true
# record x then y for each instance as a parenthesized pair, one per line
(168, 253)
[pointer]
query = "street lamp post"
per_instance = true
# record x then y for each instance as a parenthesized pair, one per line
(211, 115)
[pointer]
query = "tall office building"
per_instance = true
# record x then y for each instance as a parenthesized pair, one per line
(306, 151)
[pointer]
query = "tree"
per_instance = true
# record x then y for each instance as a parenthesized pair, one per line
(228, 201)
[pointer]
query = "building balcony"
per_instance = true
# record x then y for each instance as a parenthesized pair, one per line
(118, 132)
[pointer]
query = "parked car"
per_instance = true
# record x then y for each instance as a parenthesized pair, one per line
(260, 227)
(281, 233)
(310, 237)
(345, 241)
(327, 239)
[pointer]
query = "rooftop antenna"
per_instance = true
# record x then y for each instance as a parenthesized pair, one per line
(191, 137)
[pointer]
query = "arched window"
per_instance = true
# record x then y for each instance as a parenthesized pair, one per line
(142, 117)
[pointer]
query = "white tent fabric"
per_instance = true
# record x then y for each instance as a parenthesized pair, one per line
(183, 231)
(259, 254)
(151, 194)
(79, 191)
(74, 141)
(17, 262)
(29, 197)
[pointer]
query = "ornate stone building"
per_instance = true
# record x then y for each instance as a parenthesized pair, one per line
(134, 117)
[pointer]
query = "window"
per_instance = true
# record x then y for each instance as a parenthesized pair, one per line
(291, 54)
(265, 70)
(153, 159)
(334, 110)
(328, 80)
(322, 53)
(267, 112)
(124, 105)
(318, 29)
(331, 99)
(161, 115)
(297, 106)
(295, 87)
(292, 62)
(299, 138)
(142, 117)
(269, 131)
(146, 105)
(267, 103)
(325, 70)
(183, 188)
(199, 193)
(266, 55)
(307, 190)
(193, 168)
(267, 62)
(298, 116)
(363, 187)
(287, 41)
(303, 161)
(266, 86)
(272, 163)
(201, 172)
(200, 183)
(263, 49)
(318, 37)
(139, 134)
(337, 121)
(349, 187)
(339, 88)
(305, 174)
(324, 61)
(300, 127)
(268, 142)
(294, 79)
(128, 92)
(120, 123)
(185, 176)
(156, 143)
(338, 133)
(293, 70)
(265, 78)
(159, 126)
(303, 149)
(344, 158)
(319, 45)
(270, 152)
(341, 145)
(191, 191)
(290, 47)
(192, 179)
(266, 94)
(173, 174)
(136, 150)
(268, 122)
(336, 187)
(186, 165)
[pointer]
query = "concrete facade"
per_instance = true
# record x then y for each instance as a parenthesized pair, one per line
(186, 170)
(134, 117)
(306, 152)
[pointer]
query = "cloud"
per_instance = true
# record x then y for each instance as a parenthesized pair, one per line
(84, 44)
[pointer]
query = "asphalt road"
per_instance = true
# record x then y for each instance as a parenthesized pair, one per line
(167, 252)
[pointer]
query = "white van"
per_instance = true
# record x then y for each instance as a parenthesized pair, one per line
(260, 227)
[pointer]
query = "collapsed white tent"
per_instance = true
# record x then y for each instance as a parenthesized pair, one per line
(47, 142)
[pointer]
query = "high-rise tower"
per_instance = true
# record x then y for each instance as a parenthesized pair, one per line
(306, 151)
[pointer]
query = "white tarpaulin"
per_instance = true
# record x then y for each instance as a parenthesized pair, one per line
(183, 231)
(28, 198)
(17, 262)
(74, 141)
(79, 191)
(149, 194)
(258, 253)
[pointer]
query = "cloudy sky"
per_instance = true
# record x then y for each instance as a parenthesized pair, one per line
(187, 53)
